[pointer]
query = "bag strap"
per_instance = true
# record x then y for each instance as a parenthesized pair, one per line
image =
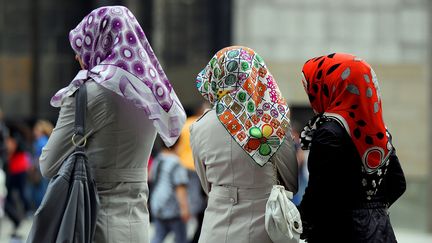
(80, 114)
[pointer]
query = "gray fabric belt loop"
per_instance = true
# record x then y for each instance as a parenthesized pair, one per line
(120, 175)
(237, 193)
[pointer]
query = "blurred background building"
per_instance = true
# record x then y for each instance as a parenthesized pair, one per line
(393, 35)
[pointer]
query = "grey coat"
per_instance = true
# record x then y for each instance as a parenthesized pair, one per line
(238, 188)
(119, 146)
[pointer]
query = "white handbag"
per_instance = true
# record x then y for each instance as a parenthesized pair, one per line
(282, 218)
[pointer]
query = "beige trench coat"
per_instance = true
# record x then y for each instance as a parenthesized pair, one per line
(118, 150)
(238, 188)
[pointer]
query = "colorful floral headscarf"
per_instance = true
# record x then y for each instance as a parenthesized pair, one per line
(345, 88)
(247, 100)
(117, 55)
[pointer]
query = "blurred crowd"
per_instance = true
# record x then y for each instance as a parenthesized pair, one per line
(22, 186)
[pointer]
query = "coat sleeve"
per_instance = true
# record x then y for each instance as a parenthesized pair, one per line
(59, 145)
(198, 160)
(287, 166)
(396, 184)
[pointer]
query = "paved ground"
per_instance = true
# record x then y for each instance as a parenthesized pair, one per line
(6, 229)
(404, 236)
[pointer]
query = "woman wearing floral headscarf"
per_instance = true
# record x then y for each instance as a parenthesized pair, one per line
(129, 100)
(236, 143)
(354, 173)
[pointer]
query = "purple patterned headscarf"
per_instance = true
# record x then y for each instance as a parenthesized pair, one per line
(117, 55)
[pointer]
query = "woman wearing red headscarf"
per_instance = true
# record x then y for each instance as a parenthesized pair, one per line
(355, 174)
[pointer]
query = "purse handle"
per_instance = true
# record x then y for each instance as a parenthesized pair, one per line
(80, 114)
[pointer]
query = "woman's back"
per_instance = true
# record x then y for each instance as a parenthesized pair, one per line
(238, 188)
(225, 161)
(124, 135)
(121, 137)
(118, 149)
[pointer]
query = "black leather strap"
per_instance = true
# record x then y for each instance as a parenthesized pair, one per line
(80, 113)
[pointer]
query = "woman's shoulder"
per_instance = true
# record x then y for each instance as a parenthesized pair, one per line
(331, 126)
(330, 132)
(101, 99)
(208, 129)
(204, 120)
(95, 90)
(207, 113)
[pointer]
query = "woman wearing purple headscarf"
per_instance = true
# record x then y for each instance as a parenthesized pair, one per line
(129, 100)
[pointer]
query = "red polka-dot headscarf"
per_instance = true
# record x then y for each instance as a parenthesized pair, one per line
(345, 88)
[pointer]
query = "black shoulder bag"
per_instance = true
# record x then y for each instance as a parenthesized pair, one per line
(69, 208)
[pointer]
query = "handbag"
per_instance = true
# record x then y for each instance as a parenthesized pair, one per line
(69, 208)
(282, 218)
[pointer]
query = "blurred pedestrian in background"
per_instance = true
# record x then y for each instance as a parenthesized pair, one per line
(238, 144)
(17, 204)
(169, 198)
(303, 173)
(197, 197)
(3, 161)
(354, 173)
(3, 136)
(41, 132)
(129, 101)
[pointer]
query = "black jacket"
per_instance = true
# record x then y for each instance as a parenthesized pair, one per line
(334, 207)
